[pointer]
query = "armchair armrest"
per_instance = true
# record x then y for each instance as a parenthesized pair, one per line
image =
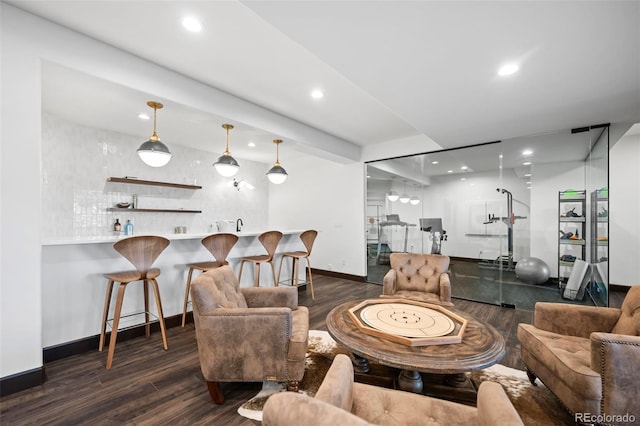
(574, 320)
(261, 297)
(445, 288)
(389, 282)
(494, 407)
(288, 408)
(615, 357)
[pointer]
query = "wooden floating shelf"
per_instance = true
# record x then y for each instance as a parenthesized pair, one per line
(117, 209)
(152, 183)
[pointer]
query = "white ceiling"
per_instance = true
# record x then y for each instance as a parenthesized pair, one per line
(390, 69)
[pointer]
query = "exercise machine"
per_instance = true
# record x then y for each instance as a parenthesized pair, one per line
(504, 263)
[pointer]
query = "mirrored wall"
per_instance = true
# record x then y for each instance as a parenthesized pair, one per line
(522, 220)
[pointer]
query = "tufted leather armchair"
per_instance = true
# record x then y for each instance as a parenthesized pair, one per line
(340, 401)
(421, 277)
(588, 356)
(251, 334)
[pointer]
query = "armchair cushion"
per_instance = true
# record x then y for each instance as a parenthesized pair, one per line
(567, 357)
(629, 321)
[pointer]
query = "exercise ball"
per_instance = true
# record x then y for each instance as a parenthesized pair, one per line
(532, 270)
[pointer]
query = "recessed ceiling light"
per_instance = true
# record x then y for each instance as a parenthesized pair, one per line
(527, 152)
(252, 144)
(463, 178)
(192, 24)
(143, 116)
(463, 168)
(434, 162)
(527, 174)
(317, 94)
(528, 182)
(508, 69)
(526, 163)
(449, 171)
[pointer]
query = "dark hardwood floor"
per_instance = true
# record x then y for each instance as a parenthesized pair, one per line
(149, 386)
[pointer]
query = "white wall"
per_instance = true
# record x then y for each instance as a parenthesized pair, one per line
(624, 212)
(20, 231)
(329, 197)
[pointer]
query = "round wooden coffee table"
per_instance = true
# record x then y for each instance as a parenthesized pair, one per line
(481, 346)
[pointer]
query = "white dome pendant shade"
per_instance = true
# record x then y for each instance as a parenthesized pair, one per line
(277, 174)
(153, 152)
(393, 196)
(226, 165)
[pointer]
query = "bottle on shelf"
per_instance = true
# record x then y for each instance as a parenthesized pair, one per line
(117, 227)
(128, 228)
(134, 201)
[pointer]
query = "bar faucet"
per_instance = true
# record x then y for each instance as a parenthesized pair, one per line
(239, 225)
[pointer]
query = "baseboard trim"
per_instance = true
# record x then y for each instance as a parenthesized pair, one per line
(21, 381)
(342, 275)
(90, 343)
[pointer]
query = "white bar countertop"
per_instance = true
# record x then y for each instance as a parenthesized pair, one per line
(105, 239)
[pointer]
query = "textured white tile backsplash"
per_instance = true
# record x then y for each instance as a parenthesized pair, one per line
(77, 160)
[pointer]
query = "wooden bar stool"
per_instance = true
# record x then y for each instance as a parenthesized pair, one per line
(307, 237)
(269, 241)
(219, 245)
(141, 251)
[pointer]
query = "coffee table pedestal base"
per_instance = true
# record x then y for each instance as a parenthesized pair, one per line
(410, 381)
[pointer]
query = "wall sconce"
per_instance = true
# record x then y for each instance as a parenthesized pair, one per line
(239, 184)
(226, 165)
(153, 152)
(277, 174)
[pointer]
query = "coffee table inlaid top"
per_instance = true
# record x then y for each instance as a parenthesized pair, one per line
(481, 346)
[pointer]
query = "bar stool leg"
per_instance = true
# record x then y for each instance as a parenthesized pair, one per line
(147, 324)
(105, 314)
(280, 268)
(273, 273)
(240, 274)
(163, 331)
(186, 297)
(256, 274)
(116, 321)
(308, 270)
(295, 278)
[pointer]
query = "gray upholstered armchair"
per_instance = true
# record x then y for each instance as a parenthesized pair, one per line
(247, 334)
(421, 277)
(588, 356)
(340, 401)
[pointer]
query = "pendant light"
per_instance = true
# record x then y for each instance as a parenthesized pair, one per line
(404, 198)
(414, 200)
(153, 152)
(392, 195)
(226, 165)
(277, 174)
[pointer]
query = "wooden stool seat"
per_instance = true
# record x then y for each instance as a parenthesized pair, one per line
(130, 276)
(219, 245)
(141, 251)
(269, 241)
(308, 238)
